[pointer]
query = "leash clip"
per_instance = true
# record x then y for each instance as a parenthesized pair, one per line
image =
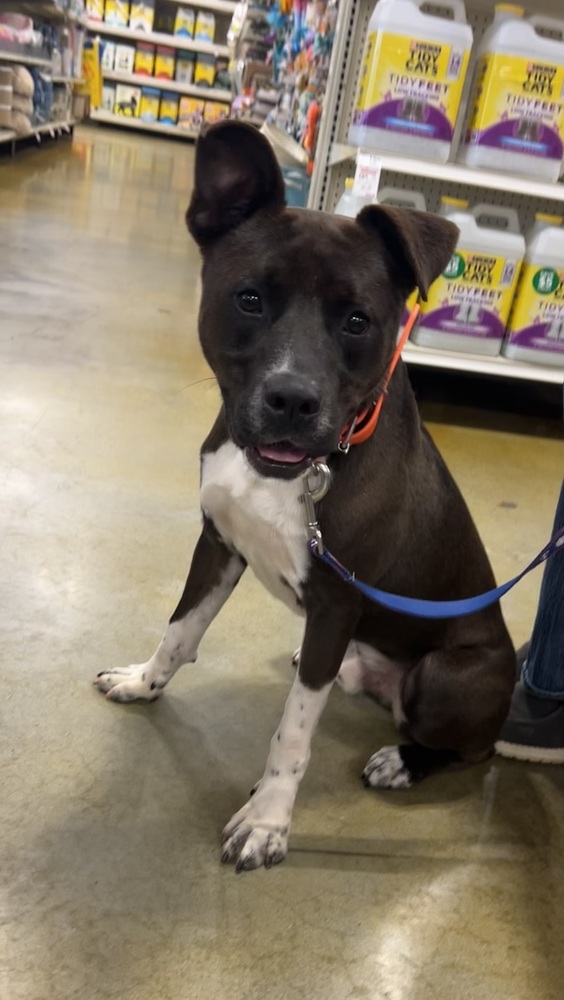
(317, 481)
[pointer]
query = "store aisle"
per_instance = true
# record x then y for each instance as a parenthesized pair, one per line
(110, 815)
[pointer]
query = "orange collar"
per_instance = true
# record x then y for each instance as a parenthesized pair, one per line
(366, 420)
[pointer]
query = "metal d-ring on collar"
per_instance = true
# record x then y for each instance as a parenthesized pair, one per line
(316, 482)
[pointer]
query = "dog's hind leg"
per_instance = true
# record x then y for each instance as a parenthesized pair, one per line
(454, 702)
(214, 572)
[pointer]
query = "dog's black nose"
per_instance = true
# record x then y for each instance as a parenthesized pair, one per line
(292, 397)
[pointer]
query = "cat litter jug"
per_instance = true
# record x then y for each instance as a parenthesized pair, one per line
(535, 331)
(516, 122)
(469, 303)
(411, 78)
(403, 198)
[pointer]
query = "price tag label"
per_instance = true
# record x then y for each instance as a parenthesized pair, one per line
(367, 175)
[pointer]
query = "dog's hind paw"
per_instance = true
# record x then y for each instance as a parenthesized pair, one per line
(387, 769)
(130, 684)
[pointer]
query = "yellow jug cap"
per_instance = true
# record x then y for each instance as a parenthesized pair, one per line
(456, 202)
(553, 220)
(510, 8)
(349, 183)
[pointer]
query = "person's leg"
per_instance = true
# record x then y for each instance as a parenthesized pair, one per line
(543, 672)
(534, 729)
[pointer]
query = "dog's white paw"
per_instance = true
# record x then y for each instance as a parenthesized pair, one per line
(386, 769)
(252, 839)
(130, 684)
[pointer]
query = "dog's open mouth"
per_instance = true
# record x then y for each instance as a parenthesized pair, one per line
(282, 459)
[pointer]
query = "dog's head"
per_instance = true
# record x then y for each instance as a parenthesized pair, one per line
(300, 310)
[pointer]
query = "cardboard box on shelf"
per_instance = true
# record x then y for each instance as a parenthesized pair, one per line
(95, 10)
(144, 58)
(204, 73)
(205, 27)
(215, 111)
(184, 72)
(127, 101)
(164, 63)
(108, 55)
(169, 109)
(116, 12)
(150, 104)
(108, 96)
(124, 60)
(191, 113)
(142, 15)
(184, 22)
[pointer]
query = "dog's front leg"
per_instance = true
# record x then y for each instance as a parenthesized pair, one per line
(214, 572)
(258, 834)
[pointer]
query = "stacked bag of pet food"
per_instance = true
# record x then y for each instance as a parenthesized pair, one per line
(16, 99)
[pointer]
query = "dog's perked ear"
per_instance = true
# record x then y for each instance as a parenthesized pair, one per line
(236, 175)
(420, 244)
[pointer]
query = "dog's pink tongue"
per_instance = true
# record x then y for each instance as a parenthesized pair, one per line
(282, 453)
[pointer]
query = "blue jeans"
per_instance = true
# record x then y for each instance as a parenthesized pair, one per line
(543, 672)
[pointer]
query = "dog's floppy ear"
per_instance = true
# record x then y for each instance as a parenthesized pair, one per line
(420, 244)
(236, 174)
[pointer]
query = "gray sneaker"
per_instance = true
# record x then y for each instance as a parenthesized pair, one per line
(534, 728)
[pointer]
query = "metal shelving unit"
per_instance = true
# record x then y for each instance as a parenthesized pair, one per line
(107, 118)
(219, 6)
(140, 80)
(158, 38)
(23, 58)
(52, 129)
(334, 162)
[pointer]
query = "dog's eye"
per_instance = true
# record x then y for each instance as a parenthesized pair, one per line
(357, 323)
(249, 301)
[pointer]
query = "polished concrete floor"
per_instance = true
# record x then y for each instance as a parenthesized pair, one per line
(110, 816)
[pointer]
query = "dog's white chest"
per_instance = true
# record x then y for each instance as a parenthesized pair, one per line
(260, 517)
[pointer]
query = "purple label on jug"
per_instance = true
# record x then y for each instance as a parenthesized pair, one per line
(521, 135)
(467, 319)
(540, 336)
(408, 115)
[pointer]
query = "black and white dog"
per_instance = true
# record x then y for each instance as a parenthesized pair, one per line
(298, 321)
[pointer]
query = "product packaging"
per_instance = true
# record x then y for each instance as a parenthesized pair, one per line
(144, 59)
(150, 104)
(412, 78)
(108, 97)
(108, 55)
(204, 74)
(184, 72)
(142, 15)
(95, 10)
(124, 59)
(215, 111)
(535, 330)
(205, 27)
(127, 101)
(169, 108)
(516, 121)
(164, 63)
(116, 12)
(184, 22)
(191, 113)
(468, 305)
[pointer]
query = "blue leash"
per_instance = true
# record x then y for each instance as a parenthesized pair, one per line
(434, 609)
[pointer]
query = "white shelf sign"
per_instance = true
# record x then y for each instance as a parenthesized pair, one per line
(367, 175)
